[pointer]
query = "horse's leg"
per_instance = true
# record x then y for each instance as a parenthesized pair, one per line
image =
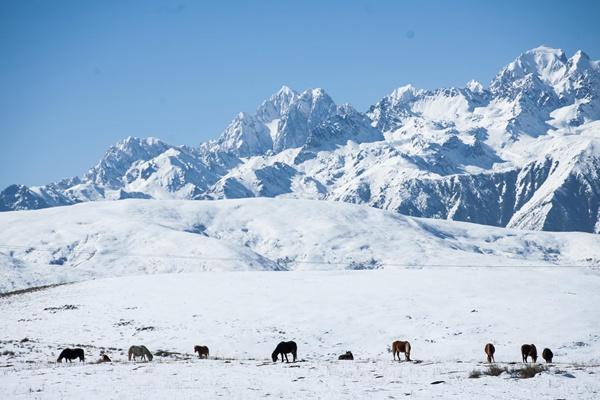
(286, 359)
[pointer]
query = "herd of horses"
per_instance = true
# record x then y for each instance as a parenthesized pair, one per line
(285, 348)
(527, 350)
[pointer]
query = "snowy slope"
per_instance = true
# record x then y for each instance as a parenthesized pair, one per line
(448, 314)
(521, 152)
(116, 238)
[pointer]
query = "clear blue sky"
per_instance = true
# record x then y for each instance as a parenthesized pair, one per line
(77, 76)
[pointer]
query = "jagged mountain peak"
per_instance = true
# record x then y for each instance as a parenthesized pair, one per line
(276, 105)
(20, 197)
(404, 93)
(119, 158)
(475, 86)
(133, 142)
(285, 90)
(548, 66)
(546, 62)
(289, 119)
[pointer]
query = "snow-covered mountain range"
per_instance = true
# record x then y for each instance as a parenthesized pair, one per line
(523, 152)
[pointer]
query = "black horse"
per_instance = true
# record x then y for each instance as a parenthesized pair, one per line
(529, 350)
(284, 348)
(71, 354)
(547, 355)
(347, 356)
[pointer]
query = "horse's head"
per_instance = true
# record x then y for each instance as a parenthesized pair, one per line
(274, 356)
(59, 359)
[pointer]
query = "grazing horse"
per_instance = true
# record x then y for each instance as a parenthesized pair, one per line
(71, 354)
(400, 346)
(139, 351)
(202, 351)
(347, 356)
(547, 355)
(284, 348)
(104, 357)
(529, 350)
(490, 350)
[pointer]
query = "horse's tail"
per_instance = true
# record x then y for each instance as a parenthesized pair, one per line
(130, 353)
(147, 352)
(407, 351)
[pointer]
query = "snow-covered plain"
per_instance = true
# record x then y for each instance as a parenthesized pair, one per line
(131, 237)
(448, 314)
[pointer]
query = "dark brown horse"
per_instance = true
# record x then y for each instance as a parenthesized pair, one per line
(284, 348)
(400, 346)
(490, 350)
(547, 355)
(202, 351)
(529, 350)
(71, 354)
(347, 356)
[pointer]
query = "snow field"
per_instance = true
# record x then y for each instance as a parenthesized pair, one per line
(448, 314)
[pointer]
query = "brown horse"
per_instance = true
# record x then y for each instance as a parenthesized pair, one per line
(202, 351)
(547, 355)
(529, 350)
(400, 346)
(490, 350)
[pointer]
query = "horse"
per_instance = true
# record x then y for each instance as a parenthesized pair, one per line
(490, 350)
(139, 351)
(71, 354)
(202, 351)
(400, 346)
(547, 355)
(347, 356)
(284, 348)
(529, 350)
(104, 357)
